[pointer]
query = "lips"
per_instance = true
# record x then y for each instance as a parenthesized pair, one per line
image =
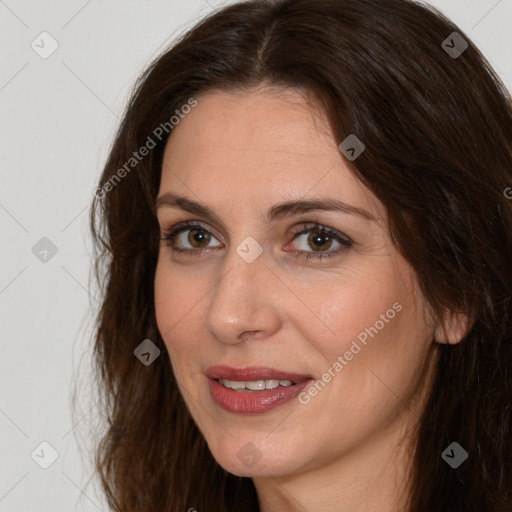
(253, 373)
(281, 387)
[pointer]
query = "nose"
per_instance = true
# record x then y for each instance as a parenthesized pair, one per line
(243, 303)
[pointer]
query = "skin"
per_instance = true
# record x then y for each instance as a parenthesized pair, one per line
(349, 448)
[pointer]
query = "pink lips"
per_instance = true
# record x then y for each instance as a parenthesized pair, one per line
(252, 373)
(256, 402)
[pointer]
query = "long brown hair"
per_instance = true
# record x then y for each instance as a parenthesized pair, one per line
(437, 128)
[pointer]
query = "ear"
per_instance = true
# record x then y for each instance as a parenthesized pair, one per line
(453, 328)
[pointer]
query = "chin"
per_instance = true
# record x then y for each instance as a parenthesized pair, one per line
(243, 458)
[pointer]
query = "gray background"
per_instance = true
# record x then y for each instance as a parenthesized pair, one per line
(58, 116)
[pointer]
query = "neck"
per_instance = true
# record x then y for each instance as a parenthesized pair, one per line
(372, 477)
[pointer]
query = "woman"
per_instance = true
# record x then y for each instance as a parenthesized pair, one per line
(307, 244)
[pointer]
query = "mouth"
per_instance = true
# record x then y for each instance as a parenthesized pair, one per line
(254, 378)
(252, 386)
(254, 389)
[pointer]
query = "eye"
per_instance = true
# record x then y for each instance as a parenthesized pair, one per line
(321, 239)
(198, 237)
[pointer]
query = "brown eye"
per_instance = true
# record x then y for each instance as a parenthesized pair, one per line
(197, 236)
(193, 238)
(320, 239)
(188, 237)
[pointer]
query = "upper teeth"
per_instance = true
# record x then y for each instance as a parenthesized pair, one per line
(254, 385)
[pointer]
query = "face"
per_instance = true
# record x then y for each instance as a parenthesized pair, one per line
(311, 299)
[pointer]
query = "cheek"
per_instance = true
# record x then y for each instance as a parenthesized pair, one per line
(377, 325)
(348, 309)
(176, 304)
(383, 339)
(166, 306)
(177, 297)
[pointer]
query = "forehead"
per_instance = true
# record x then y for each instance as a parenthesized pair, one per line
(265, 145)
(274, 126)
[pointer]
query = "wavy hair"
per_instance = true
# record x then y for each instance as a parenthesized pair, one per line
(438, 134)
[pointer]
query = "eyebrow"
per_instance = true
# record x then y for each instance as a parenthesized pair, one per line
(274, 213)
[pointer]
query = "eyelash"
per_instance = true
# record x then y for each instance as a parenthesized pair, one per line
(169, 235)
